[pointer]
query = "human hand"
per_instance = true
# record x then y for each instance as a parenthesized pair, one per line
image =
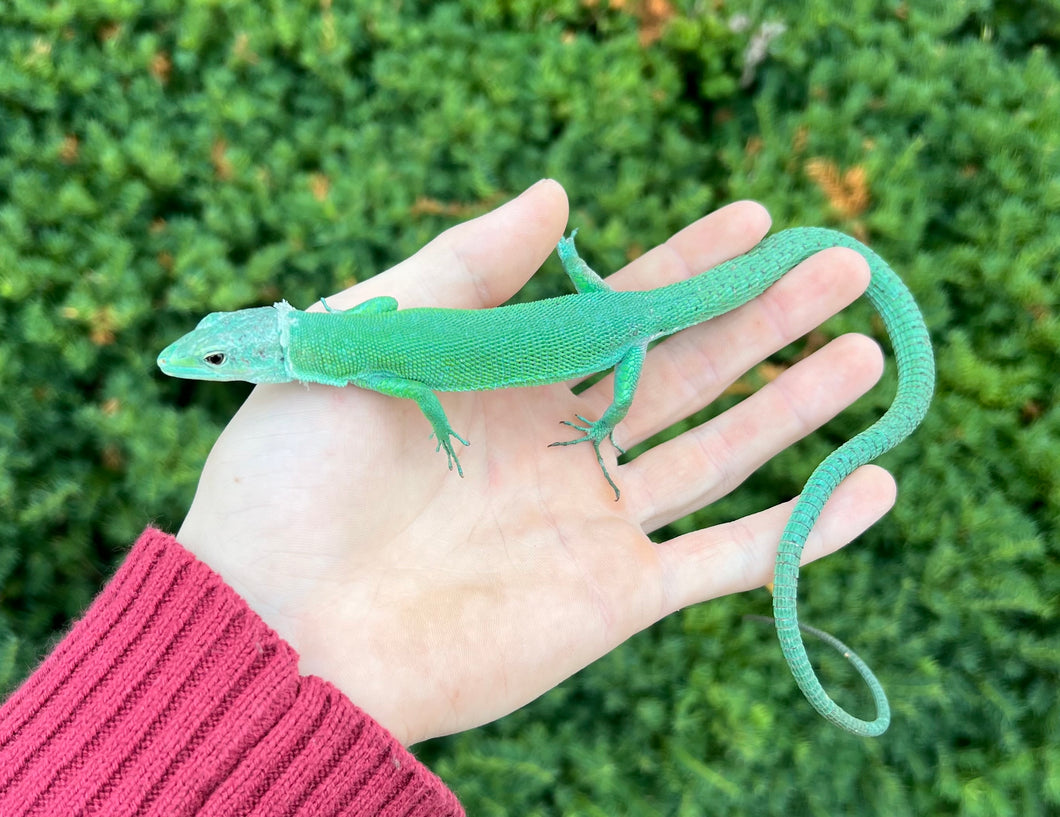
(437, 603)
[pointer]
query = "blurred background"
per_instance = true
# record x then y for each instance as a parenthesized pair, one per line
(160, 160)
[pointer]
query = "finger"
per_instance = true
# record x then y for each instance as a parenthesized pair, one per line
(690, 369)
(479, 263)
(703, 464)
(726, 233)
(739, 555)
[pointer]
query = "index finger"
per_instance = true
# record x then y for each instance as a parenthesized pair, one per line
(478, 263)
(726, 233)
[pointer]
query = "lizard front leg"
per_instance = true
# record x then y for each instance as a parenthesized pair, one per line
(429, 404)
(627, 376)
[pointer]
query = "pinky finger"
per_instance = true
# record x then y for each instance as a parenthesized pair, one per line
(739, 555)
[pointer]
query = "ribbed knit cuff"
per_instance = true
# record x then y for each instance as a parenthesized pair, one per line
(171, 697)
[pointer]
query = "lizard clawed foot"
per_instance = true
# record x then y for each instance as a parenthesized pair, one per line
(450, 452)
(586, 428)
(593, 433)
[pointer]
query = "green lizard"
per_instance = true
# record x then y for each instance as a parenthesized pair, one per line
(414, 353)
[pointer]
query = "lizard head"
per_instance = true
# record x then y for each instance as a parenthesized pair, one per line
(244, 345)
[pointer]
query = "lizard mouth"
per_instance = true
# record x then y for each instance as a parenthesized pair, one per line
(174, 368)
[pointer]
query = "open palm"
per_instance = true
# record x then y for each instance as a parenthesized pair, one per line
(437, 603)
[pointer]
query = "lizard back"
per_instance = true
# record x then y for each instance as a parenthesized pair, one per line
(524, 344)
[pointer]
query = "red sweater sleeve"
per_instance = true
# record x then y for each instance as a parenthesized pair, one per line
(171, 697)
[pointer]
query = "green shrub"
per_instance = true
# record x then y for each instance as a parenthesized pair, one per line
(162, 160)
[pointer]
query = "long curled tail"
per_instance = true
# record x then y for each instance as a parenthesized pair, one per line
(916, 382)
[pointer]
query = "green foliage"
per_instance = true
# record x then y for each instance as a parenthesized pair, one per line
(162, 160)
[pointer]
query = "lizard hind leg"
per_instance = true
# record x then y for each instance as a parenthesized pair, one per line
(627, 375)
(581, 274)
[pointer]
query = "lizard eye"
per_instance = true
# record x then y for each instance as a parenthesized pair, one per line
(214, 358)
